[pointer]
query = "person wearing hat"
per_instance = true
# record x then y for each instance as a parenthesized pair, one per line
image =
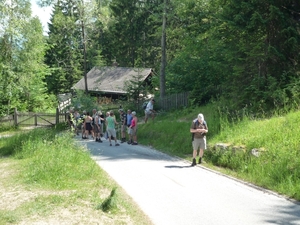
(149, 111)
(198, 129)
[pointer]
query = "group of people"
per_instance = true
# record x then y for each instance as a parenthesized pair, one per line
(93, 124)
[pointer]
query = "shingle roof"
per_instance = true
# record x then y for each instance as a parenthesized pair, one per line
(111, 79)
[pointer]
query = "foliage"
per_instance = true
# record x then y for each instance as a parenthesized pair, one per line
(131, 36)
(22, 70)
(242, 54)
(81, 101)
(64, 52)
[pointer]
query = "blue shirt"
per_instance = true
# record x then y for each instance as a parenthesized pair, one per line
(129, 118)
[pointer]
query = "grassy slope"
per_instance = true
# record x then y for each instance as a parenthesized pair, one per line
(278, 166)
(53, 175)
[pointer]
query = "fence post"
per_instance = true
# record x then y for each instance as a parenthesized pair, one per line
(15, 117)
(35, 120)
(57, 116)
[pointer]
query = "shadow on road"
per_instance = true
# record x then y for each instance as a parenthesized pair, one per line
(286, 215)
(177, 167)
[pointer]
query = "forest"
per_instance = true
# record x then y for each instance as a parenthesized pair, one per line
(241, 54)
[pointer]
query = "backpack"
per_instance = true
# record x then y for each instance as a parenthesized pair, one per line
(196, 123)
(145, 105)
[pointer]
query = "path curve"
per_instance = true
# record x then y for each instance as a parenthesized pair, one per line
(171, 192)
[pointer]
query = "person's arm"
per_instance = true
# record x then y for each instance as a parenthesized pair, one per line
(193, 129)
(116, 121)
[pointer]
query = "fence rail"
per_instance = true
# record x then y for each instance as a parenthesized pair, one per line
(34, 119)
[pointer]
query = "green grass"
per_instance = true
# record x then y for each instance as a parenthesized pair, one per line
(278, 166)
(62, 174)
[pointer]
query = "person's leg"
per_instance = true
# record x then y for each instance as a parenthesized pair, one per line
(202, 147)
(146, 117)
(123, 137)
(109, 136)
(194, 157)
(196, 146)
(114, 134)
(134, 137)
(200, 155)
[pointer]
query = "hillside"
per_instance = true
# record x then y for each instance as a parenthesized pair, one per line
(277, 139)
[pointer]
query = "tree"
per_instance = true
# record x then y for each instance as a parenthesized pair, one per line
(64, 55)
(22, 49)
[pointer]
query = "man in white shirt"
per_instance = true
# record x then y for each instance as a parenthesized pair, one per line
(149, 111)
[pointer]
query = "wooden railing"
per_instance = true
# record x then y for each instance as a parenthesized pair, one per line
(34, 119)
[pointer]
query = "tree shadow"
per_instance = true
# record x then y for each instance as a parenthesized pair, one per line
(178, 167)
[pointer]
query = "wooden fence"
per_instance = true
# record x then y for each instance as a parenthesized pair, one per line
(173, 101)
(34, 119)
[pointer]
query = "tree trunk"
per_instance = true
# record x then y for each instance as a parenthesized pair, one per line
(163, 53)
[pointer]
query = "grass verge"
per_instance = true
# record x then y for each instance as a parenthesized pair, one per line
(49, 179)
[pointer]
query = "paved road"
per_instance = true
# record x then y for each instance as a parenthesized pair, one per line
(171, 192)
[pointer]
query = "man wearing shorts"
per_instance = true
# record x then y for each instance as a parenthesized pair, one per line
(124, 125)
(110, 128)
(198, 129)
(149, 111)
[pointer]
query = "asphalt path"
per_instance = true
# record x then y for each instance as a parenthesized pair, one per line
(171, 192)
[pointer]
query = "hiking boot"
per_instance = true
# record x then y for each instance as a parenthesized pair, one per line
(200, 160)
(123, 140)
(99, 140)
(110, 144)
(96, 140)
(129, 142)
(117, 144)
(194, 162)
(134, 143)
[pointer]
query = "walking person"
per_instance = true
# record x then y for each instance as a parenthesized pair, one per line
(111, 130)
(198, 129)
(123, 125)
(149, 111)
(133, 128)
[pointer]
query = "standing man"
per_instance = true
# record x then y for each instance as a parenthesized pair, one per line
(198, 129)
(111, 130)
(128, 121)
(123, 125)
(149, 111)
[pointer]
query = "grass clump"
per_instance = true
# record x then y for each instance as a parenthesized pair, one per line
(110, 203)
